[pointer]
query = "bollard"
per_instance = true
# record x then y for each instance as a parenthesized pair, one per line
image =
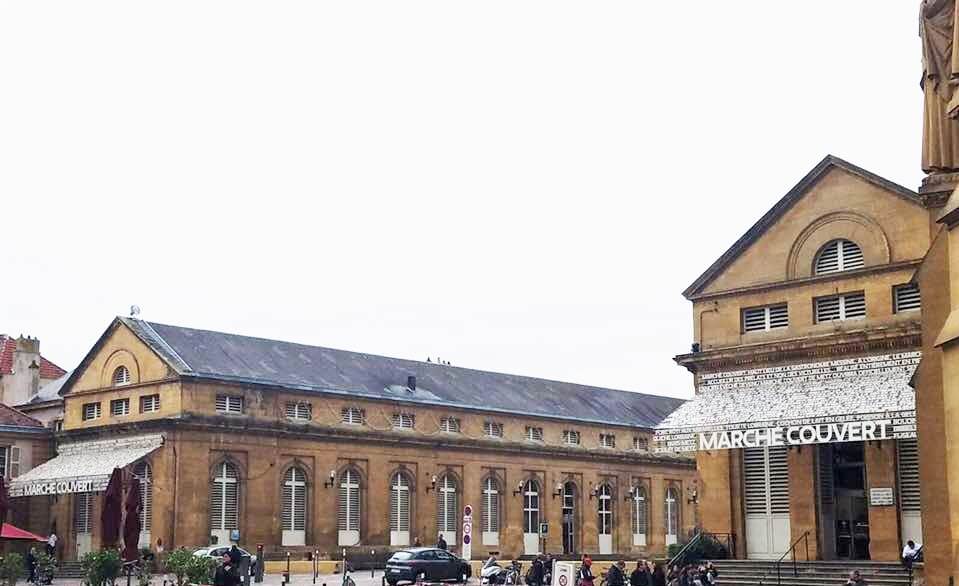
(372, 563)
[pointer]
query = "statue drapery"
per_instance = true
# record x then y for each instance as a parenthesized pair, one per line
(940, 78)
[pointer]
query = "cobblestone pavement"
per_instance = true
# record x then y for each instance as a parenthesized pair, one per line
(361, 579)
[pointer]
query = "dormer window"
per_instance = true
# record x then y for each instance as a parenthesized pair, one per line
(492, 429)
(404, 421)
(534, 434)
(839, 255)
(571, 437)
(352, 416)
(121, 376)
(450, 425)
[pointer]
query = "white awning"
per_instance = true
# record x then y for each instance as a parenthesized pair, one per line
(855, 399)
(83, 466)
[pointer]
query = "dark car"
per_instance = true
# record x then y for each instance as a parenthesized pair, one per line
(427, 564)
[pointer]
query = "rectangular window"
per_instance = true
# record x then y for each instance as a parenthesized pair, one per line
(119, 407)
(493, 429)
(571, 437)
(149, 403)
(91, 411)
(534, 434)
(14, 461)
(299, 411)
(641, 444)
(352, 415)
(4, 455)
(450, 425)
(229, 404)
(763, 319)
(607, 440)
(840, 307)
(905, 297)
(404, 421)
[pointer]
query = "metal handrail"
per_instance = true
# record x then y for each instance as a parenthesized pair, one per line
(682, 551)
(804, 538)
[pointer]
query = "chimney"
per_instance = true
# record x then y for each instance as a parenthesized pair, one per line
(26, 371)
(411, 382)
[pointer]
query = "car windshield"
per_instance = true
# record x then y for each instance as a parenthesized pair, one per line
(402, 555)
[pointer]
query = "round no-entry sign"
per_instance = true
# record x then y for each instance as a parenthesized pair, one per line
(563, 580)
(468, 511)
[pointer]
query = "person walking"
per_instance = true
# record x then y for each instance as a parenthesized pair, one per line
(32, 565)
(441, 543)
(586, 576)
(617, 574)
(52, 544)
(641, 576)
(227, 573)
(534, 577)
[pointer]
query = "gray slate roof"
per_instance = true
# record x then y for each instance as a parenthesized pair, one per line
(231, 357)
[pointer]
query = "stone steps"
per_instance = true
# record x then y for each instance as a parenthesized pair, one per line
(761, 573)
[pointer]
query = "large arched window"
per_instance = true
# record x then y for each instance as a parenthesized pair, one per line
(348, 518)
(490, 511)
(121, 376)
(224, 502)
(144, 478)
(671, 510)
(400, 496)
(569, 517)
(839, 255)
(447, 508)
(293, 514)
(604, 508)
(640, 516)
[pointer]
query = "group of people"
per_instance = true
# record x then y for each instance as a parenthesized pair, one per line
(647, 573)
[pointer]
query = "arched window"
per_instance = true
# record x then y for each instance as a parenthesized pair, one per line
(400, 495)
(490, 511)
(121, 376)
(293, 515)
(672, 515)
(604, 507)
(569, 517)
(348, 518)
(640, 516)
(144, 477)
(531, 517)
(224, 502)
(839, 255)
(447, 508)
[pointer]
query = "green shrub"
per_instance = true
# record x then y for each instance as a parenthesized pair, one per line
(178, 563)
(101, 568)
(12, 569)
(201, 570)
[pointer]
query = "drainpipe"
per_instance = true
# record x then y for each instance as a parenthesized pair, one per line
(713, 309)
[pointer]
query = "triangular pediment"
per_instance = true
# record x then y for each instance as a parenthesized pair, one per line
(853, 202)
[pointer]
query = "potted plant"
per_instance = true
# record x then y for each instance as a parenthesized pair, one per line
(101, 568)
(12, 568)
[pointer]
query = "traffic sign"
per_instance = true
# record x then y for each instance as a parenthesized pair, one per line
(468, 511)
(466, 539)
(467, 528)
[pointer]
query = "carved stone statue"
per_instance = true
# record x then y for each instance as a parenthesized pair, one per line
(940, 79)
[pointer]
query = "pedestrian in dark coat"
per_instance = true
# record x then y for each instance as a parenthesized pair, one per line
(641, 576)
(441, 543)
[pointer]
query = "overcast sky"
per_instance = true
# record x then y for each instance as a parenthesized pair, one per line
(514, 186)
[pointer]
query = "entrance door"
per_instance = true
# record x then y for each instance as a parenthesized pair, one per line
(766, 475)
(827, 502)
(851, 510)
(531, 517)
(83, 522)
(569, 518)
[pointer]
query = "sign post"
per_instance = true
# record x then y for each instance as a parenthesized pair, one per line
(563, 573)
(467, 532)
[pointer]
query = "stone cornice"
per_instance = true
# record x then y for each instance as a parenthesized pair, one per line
(908, 336)
(247, 426)
(845, 275)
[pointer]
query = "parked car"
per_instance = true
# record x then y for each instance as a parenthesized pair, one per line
(218, 551)
(427, 564)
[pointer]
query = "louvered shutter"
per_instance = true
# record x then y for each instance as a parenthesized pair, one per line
(754, 473)
(851, 256)
(400, 503)
(83, 512)
(640, 513)
(14, 461)
(778, 479)
(671, 511)
(854, 305)
(828, 260)
(490, 505)
(605, 507)
(766, 473)
(909, 474)
(224, 499)
(144, 476)
(906, 297)
(446, 505)
(293, 515)
(349, 509)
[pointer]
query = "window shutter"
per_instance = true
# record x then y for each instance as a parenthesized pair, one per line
(447, 505)
(605, 508)
(851, 256)
(778, 316)
(83, 512)
(671, 510)
(639, 511)
(490, 505)
(854, 305)
(293, 515)
(349, 510)
(4, 462)
(839, 255)
(766, 472)
(144, 476)
(534, 434)
(400, 503)
(778, 479)
(290, 413)
(906, 297)
(224, 499)
(908, 468)
(121, 376)
(14, 461)
(754, 319)
(754, 473)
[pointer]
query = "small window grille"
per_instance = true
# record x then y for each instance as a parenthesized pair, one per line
(760, 319)
(121, 376)
(840, 307)
(534, 434)
(607, 440)
(229, 404)
(352, 415)
(839, 255)
(641, 444)
(493, 429)
(119, 407)
(450, 425)
(404, 421)
(149, 403)
(571, 437)
(299, 411)
(906, 297)
(91, 411)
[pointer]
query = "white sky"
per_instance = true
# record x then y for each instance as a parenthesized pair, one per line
(515, 186)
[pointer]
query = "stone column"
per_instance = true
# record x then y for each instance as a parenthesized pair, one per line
(880, 459)
(802, 499)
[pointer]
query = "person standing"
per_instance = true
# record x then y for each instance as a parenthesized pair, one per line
(640, 576)
(586, 576)
(441, 543)
(659, 576)
(617, 574)
(52, 544)
(32, 565)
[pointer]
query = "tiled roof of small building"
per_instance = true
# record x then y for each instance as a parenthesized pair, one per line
(231, 357)
(8, 344)
(12, 417)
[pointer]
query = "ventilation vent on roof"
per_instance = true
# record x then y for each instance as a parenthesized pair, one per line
(411, 383)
